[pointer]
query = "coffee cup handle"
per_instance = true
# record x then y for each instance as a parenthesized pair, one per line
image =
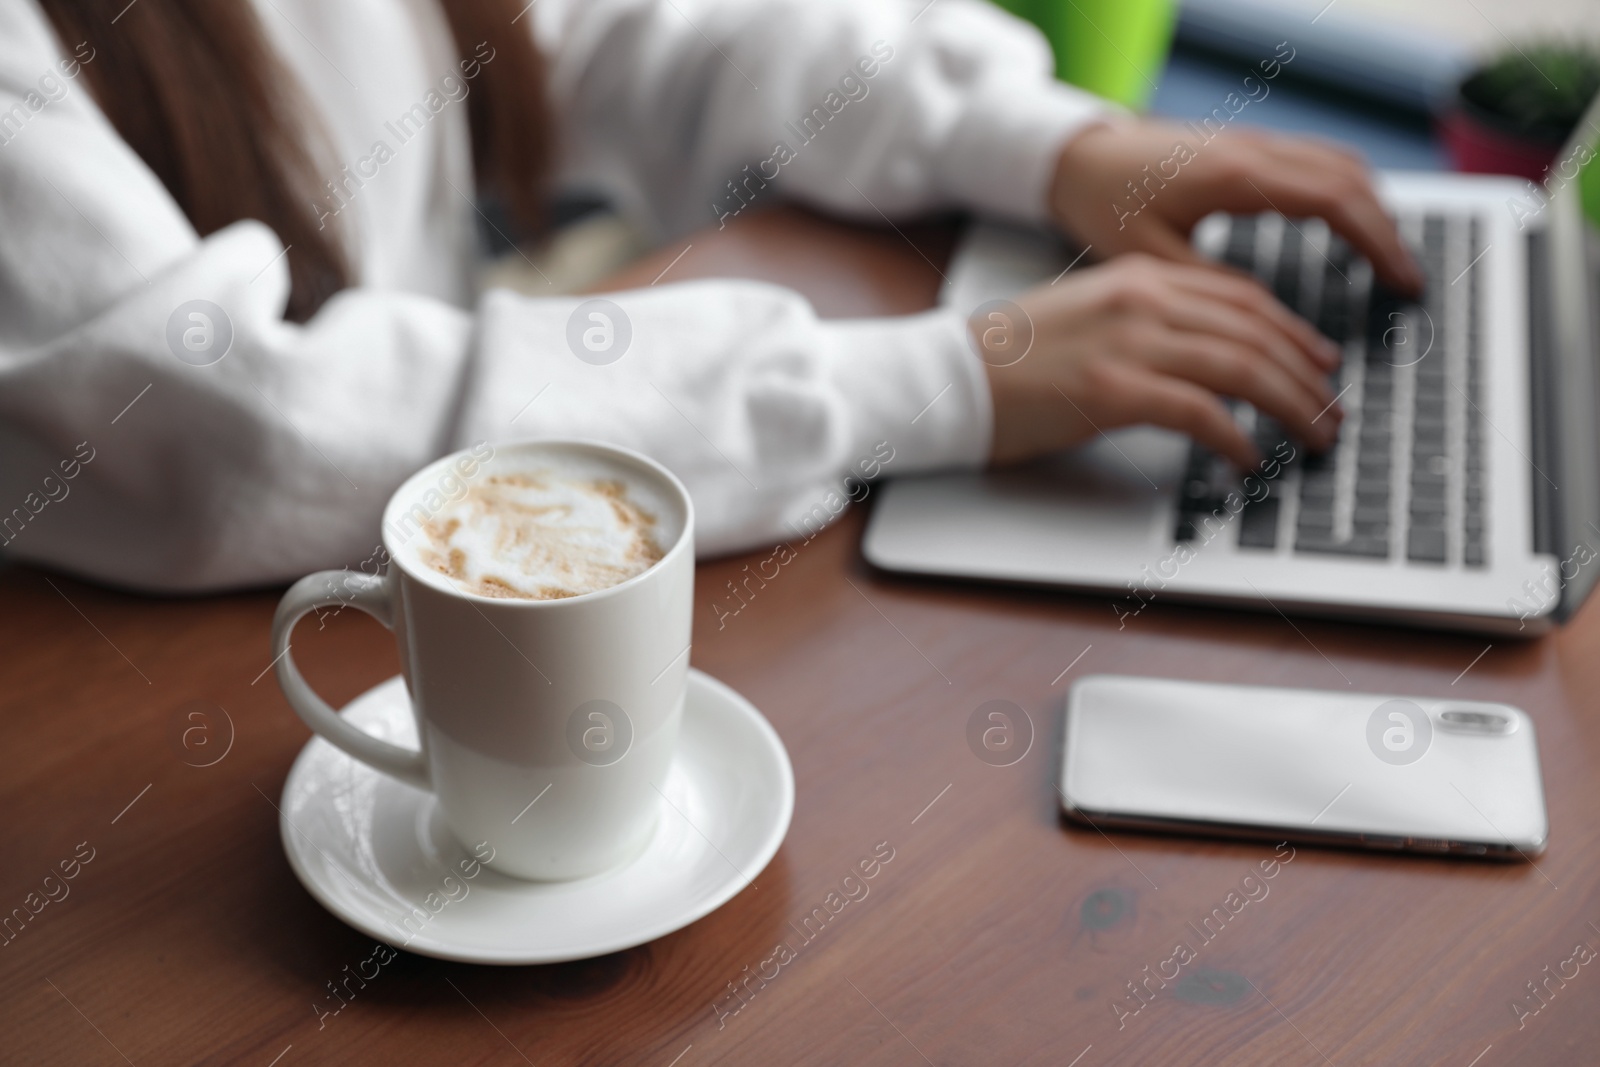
(371, 594)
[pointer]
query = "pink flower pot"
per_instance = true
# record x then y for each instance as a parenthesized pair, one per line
(1478, 144)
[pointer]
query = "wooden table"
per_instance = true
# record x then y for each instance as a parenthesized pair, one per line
(995, 935)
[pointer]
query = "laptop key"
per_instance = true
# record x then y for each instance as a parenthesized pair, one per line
(1258, 524)
(1208, 479)
(1426, 479)
(1315, 503)
(1286, 279)
(1333, 311)
(1427, 443)
(1425, 545)
(1315, 462)
(1375, 489)
(1425, 485)
(1374, 438)
(1366, 548)
(1316, 518)
(1240, 250)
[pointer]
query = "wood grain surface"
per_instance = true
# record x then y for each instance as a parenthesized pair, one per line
(994, 935)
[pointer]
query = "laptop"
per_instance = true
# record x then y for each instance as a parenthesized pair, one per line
(1463, 493)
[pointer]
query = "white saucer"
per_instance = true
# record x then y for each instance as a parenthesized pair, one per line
(374, 851)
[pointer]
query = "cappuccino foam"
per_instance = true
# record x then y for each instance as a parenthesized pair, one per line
(545, 532)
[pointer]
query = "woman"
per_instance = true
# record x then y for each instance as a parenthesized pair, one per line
(307, 173)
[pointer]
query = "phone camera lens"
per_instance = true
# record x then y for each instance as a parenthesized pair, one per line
(1486, 722)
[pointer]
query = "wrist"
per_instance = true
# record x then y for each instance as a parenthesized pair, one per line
(1009, 392)
(1079, 172)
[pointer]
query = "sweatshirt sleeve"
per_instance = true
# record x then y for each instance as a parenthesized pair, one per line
(163, 428)
(688, 111)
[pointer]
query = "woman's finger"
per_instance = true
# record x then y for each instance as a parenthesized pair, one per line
(1369, 218)
(1186, 312)
(1236, 370)
(1250, 296)
(1129, 394)
(1301, 181)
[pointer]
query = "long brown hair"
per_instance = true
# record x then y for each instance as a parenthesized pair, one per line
(195, 88)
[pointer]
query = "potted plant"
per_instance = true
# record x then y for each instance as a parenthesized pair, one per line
(1513, 114)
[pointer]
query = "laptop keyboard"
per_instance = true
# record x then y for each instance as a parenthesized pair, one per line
(1407, 476)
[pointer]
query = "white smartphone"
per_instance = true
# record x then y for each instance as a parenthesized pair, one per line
(1368, 770)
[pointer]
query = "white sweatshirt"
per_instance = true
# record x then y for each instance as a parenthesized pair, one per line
(122, 462)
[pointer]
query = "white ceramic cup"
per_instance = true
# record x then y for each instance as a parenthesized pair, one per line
(546, 726)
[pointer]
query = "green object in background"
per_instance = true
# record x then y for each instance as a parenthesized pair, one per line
(1113, 48)
(1589, 188)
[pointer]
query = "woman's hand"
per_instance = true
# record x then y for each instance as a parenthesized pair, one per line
(1143, 340)
(1138, 185)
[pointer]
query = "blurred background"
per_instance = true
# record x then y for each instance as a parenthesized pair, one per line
(1486, 86)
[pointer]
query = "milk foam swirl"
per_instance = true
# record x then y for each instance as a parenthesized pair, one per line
(541, 534)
